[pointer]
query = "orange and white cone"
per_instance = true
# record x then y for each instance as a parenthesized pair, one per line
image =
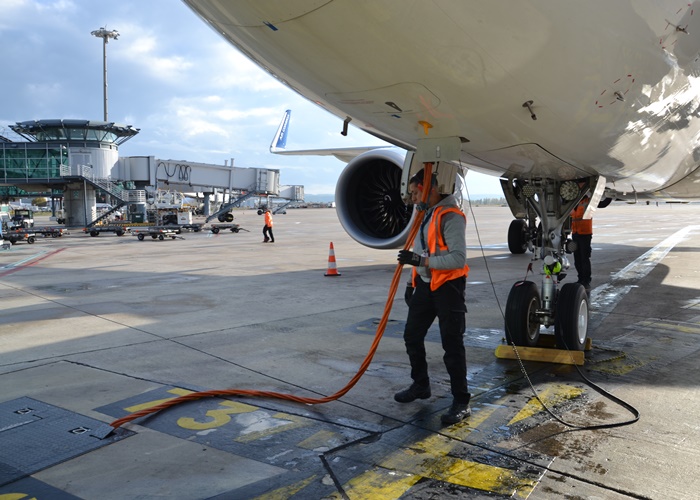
(332, 271)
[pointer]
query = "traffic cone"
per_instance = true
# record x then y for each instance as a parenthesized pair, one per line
(332, 271)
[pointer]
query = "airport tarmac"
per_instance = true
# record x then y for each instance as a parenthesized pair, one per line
(95, 328)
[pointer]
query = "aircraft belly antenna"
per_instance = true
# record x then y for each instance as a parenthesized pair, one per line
(528, 105)
(345, 126)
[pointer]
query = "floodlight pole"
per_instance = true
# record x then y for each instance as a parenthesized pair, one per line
(105, 35)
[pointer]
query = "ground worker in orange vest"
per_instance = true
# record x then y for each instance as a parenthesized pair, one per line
(267, 228)
(582, 234)
(437, 289)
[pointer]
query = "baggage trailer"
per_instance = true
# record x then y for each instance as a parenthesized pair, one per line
(53, 232)
(196, 227)
(15, 235)
(155, 232)
(234, 228)
(119, 230)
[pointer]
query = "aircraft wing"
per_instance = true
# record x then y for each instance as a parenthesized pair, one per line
(279, 142)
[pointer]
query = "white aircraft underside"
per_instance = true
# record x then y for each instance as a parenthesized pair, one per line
(613, 84)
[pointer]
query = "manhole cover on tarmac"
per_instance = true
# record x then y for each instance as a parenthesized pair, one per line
(37, 435)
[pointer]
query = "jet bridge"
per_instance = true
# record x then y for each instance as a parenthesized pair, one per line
(186, 176)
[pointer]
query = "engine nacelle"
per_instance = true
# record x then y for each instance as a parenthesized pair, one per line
(369, 202)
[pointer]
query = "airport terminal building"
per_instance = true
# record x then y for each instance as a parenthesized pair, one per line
(70, 161)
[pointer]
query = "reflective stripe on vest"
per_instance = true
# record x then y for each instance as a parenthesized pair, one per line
(579, 225)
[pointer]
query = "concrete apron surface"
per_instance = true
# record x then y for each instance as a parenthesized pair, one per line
(95, 328)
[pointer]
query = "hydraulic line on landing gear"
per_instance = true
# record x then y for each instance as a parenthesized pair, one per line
(290, 397)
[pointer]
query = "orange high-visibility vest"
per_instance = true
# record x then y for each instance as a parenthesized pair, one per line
(268, 219)
(579, 225)
(437, 246)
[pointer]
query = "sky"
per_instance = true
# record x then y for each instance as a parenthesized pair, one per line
(193, 96)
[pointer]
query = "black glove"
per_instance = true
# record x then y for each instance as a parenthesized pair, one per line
(408, 294)
(408, 257)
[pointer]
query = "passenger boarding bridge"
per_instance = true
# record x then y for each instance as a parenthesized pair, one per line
(74, 160)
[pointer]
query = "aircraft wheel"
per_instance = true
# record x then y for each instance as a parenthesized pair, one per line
(522, 325)
(140, 237)
(215, 230)
(517, 236)
(571, 322)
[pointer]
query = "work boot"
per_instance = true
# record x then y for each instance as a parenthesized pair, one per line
(266, 240)
(456, 413)
(412, 393)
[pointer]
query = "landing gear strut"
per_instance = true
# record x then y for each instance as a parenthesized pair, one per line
(543, 207)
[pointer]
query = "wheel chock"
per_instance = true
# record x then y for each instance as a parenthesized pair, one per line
(543, 354)
(550, 341)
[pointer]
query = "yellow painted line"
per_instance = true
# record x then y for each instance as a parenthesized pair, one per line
(294, 423)
(443, 467)
(429, 458)
(287, 491)
(321, 439)
(619, 366)
(671, 326)
(15, 496)
(177, 391)
(550, 396)
(378, 484)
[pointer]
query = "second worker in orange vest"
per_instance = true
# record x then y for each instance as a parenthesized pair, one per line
(582, 234)
(437, 291)
(267, 228)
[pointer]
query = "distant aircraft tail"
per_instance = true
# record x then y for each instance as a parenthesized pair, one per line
(279, 141)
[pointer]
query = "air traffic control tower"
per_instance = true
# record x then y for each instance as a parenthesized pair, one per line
(62, 158)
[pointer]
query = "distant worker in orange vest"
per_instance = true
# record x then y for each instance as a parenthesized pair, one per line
(582, 234)
(267, 228)
(437, 291)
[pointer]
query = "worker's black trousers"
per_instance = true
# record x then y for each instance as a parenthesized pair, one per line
(267, 233)
(447, 303)
(582, 257)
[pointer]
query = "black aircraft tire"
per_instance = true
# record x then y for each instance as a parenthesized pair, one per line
(521, 323)
(517, 236)
(571, 322)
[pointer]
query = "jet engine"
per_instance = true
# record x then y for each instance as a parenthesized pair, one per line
(369, 199)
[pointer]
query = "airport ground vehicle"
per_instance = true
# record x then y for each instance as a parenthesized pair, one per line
(22, 218)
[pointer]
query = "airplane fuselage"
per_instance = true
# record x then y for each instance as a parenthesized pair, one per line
(612, 86)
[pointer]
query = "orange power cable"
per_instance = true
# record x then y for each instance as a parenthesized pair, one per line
(300, 399)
